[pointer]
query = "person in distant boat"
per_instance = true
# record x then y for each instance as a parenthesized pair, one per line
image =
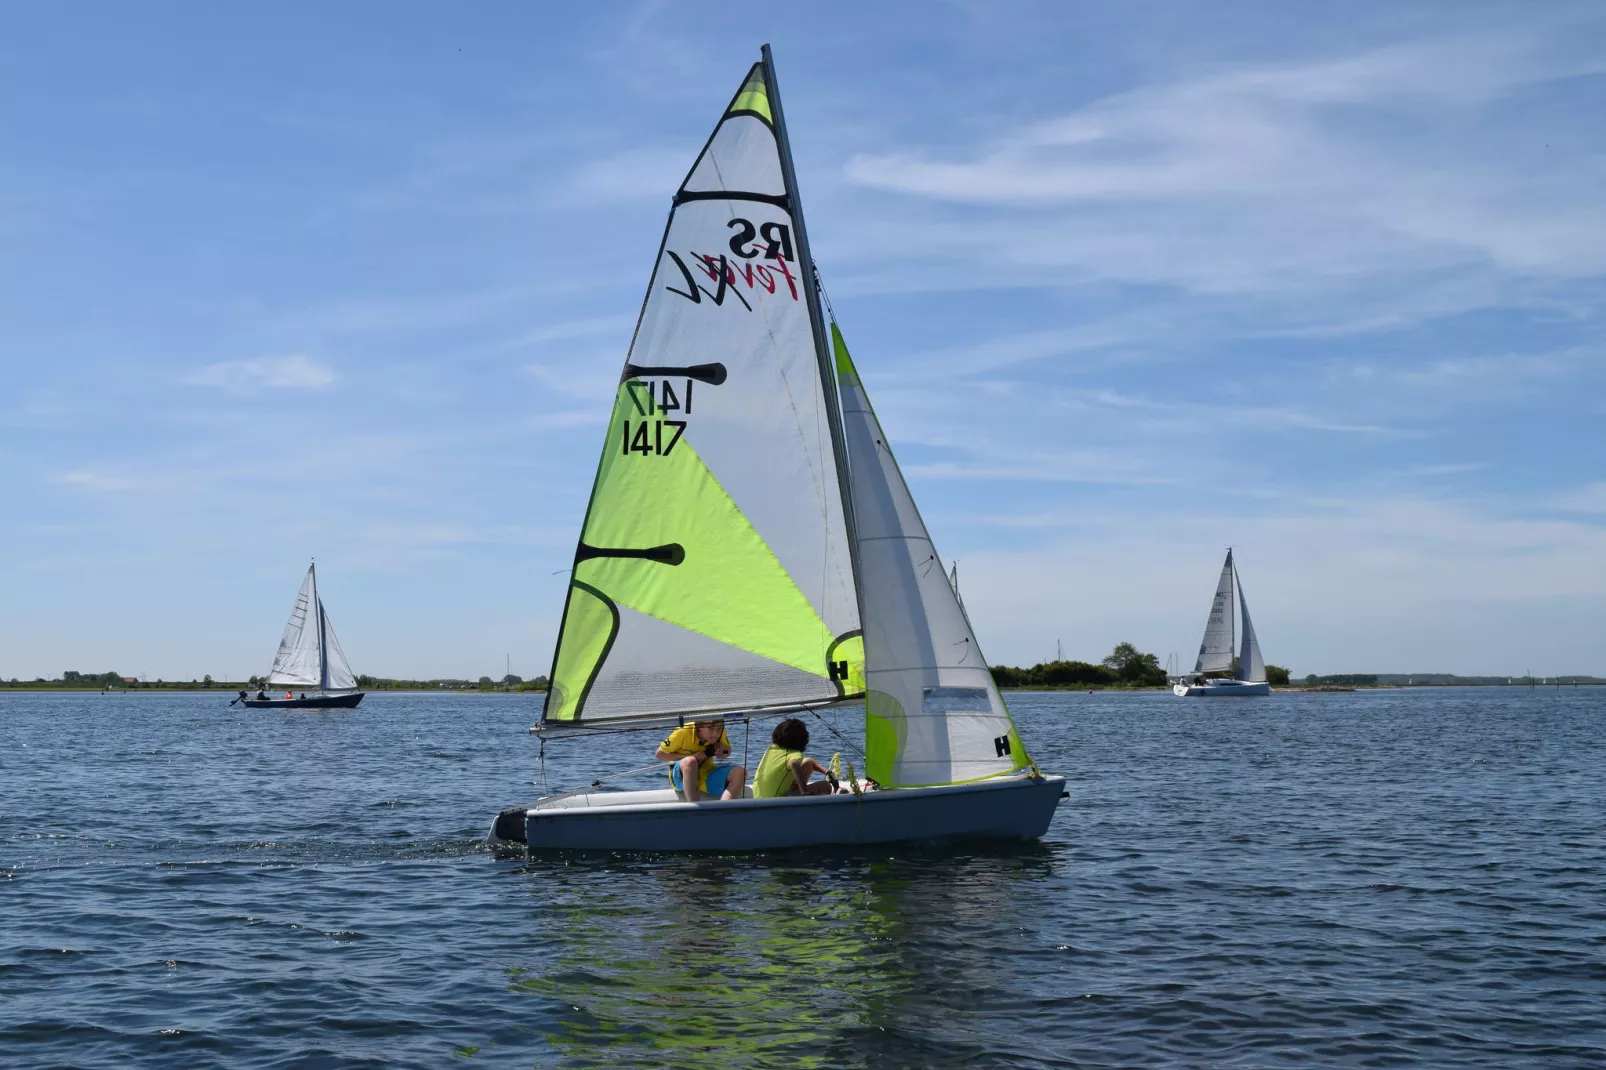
(262, 694)
(693, 771)
(785, 769)
(288, 696)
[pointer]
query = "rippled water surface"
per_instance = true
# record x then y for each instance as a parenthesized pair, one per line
(1371, 879)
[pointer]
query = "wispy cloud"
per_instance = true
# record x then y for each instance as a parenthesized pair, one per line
(649, 173)
(295, 372)
(96, 481)
(985, 459)
(1590, 498)
(1196, 416)
(1286, 176)
(1444, 469)
(1454, 568)
(572, 329)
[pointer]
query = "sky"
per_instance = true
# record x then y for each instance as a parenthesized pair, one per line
(1128, 284)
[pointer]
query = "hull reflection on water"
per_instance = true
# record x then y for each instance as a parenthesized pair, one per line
(776, 961)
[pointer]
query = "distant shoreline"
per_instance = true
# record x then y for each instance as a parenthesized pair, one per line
(224, 689)
(1280, 688)
(35, 688)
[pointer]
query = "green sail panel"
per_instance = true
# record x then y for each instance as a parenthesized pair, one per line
(754, 96)
(713, 570)
(933, 714)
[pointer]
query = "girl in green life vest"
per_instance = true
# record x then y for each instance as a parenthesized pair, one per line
(785, 769)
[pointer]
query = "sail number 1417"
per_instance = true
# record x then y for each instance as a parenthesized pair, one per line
(648, 436)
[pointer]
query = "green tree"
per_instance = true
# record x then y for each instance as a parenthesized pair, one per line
(1134, 667)
(1276, 674)
(1071, 674)
(1005, 676)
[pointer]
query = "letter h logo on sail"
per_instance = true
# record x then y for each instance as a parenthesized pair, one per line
(1001, 745)
(839, 671)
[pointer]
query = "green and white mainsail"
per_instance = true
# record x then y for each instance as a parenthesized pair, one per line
(745, 518)
(933, 714)
(715, 571)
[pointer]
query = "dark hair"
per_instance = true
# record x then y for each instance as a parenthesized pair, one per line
(790, 734)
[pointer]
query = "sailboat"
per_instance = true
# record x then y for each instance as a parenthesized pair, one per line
(309, 657)
(751, 551)
(1248, 671)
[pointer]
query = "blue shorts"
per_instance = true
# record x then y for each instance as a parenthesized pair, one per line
(717, 777)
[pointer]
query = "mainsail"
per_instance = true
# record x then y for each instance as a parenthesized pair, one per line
(1215, 653)
(714, 570)
(933, 714)
(1251, 666)
(309, 654)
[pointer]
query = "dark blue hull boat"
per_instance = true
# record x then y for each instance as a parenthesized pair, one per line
(307, 702)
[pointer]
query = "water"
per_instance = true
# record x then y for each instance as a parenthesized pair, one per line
(1370, 879)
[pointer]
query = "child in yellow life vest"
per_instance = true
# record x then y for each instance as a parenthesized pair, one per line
(692, 750)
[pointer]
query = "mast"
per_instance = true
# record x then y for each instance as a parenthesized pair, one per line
(1232, 608)
(323, 636)
(822, 349)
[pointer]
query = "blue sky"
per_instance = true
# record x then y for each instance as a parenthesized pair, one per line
(1128, 283)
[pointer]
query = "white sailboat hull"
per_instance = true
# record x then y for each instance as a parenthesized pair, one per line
(1016, 807)
(1221, 689)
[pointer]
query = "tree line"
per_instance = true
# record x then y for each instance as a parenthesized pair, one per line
(72, 680)
(1126, 666)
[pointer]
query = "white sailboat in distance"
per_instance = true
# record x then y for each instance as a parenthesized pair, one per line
(751, 551)
(1247, 676)
(309, 657)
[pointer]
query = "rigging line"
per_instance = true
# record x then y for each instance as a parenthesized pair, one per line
(846, 743)
(597, 783)
(825, 296)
